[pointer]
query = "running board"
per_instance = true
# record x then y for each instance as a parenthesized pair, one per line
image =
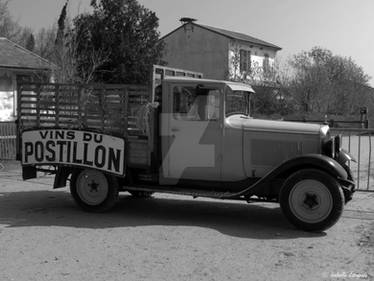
(183, 191)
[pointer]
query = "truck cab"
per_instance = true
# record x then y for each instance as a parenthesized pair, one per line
(209, 134)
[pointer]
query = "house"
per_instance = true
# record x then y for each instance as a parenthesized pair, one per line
(18, 65)
(218, 53)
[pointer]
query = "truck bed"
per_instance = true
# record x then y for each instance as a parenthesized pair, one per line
(110, 109)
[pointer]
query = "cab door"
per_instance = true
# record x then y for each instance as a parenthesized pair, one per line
(192, 133)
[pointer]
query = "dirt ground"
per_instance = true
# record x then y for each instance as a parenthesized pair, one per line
(45, 236)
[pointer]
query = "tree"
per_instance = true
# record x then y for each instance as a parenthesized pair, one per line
(58, 44)
(124, 33)
(61, 26)
(64, 50)
(45, 42)
(325, 83)
(11, 30)
(30, 43)
(8, 27)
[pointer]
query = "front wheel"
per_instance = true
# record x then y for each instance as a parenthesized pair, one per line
(312, 200)
(94, 191)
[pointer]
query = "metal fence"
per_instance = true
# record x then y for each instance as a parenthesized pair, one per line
(359, 143)
(8, 142)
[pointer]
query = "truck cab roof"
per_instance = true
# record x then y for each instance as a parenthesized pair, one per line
(235, 86)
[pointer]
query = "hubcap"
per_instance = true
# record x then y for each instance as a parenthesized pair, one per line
(92, 187)
(310, 201)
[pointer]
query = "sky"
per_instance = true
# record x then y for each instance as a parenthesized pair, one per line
(346, 27)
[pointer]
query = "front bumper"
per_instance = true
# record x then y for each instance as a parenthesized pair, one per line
(344, 156)
(348, 185)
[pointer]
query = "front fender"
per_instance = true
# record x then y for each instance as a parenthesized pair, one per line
(317, 161)
(284, 170)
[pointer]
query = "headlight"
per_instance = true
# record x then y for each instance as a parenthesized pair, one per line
(325, 131)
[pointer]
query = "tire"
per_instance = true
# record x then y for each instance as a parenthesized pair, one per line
(98, 196)
(141, 194)
(312, 200)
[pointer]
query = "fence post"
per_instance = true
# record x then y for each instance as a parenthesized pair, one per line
(364, 117)
(331, 123)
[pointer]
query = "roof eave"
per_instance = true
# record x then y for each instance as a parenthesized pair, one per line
(234, 38)
(255, 43)
(25, 68)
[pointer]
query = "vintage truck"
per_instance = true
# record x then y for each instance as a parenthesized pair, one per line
(188, 136)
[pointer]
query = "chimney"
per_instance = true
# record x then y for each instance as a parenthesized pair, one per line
(185, 20)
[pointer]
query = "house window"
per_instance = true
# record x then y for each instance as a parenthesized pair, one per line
(6, 83)
(245, 61)
(21, 78)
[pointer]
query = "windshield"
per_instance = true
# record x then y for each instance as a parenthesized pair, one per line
(237, 102)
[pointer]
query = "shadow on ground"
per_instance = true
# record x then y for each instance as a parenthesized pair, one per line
(56, 208)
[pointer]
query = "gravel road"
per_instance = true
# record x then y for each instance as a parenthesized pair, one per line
(45, 236)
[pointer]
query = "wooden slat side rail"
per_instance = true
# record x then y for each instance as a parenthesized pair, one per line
(107, 108)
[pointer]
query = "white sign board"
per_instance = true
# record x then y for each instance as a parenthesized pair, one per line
(73, 147)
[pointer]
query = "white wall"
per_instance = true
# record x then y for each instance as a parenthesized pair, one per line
(7, 95)
(257, 57)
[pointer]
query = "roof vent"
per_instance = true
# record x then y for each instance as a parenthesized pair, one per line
(187, 20)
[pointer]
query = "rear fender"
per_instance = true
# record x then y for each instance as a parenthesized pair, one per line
(61, 177)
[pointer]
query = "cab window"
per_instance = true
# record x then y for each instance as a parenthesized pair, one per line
(196, 104)
(237, 102)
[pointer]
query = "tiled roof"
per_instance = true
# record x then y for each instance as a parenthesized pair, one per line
(239, 36)
(13, 55)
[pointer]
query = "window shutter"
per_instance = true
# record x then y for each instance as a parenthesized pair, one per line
(243, 60)
(249, 61)
(266, 65)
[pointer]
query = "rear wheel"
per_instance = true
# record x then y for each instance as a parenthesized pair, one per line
(312, 200)
(94, 191)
